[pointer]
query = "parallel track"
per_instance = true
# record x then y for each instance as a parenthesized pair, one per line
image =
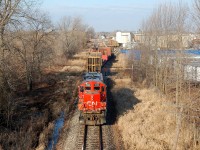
(90, 138)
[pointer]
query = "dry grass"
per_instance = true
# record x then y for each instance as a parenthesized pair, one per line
(145, 119)
(123, 96)
(70, 65)
(73, 68)
(146, 126)
(122, 59)
(76, 62)
(148, 123)
(36, 111)
(46, 134)
(26, 137)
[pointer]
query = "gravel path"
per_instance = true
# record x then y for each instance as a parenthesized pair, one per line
(72, 134)
(111, 136)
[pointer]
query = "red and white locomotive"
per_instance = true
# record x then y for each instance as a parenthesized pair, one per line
(92, 102)
(92, 99)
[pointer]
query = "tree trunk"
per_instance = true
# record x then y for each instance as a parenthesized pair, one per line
(29, 82)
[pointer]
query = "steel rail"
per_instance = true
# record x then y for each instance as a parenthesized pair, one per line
(100, 138)
(84, 137)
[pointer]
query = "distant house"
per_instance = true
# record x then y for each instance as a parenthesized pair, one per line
(124, 38)
(192, 72)
(169, 41)
(103, 37)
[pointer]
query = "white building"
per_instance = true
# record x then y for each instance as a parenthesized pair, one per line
(192, 72)
(124, 38)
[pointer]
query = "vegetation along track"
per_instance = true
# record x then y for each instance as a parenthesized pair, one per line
(90, 138)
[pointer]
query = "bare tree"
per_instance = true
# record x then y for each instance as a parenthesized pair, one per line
(33, 45)
(24, 46)
(90, 33)
(8, 9)
(72, 35)
(196, 13)
(164, 29)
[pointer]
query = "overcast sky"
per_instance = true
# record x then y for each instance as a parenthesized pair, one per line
(104, 15)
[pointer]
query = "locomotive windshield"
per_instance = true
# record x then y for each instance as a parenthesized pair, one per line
(87, 88)
(96, 88)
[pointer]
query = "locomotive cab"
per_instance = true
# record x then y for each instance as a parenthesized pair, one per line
(92, 100)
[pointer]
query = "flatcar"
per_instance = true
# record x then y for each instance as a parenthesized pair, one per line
(106, 53)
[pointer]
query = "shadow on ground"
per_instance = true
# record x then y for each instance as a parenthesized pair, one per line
(120, 100)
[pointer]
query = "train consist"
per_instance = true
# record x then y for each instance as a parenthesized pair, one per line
(92, 91)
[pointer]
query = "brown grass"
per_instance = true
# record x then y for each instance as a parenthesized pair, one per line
(122, 59)
(145, 119)
(44, 135)
(148, 124)
(32, 120)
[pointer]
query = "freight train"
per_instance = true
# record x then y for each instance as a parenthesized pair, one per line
(92, 91)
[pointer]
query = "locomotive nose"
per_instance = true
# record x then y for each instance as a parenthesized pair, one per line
(92, 97)
(95, 97)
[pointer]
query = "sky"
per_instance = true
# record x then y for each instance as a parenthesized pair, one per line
(104, 15)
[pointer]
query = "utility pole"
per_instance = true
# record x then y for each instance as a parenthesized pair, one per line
(132, 74)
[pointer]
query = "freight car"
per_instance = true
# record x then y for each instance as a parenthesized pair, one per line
(92, 91)
(106, 53)
(94, 62)
(92, 99)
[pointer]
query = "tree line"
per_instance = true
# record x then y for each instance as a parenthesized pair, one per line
(30, 42)
(163, 31)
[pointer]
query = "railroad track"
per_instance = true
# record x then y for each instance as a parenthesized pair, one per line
(90, 138)
(93, 137)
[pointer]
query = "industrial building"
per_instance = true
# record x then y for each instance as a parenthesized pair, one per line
(124, 38)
